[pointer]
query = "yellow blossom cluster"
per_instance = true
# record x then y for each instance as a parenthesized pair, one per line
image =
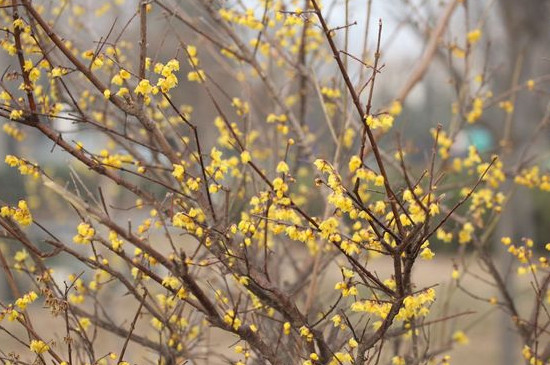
(241, 107)
(16, 114)
(532, 178)
(476, 112)
(280, 121)
(10, 312)
(443, 141)
(473, 36)
(190, 221)
(173, 283)
(494, 176)
(347, 139)
(465, 233)
(14, 132)
(197, 74)
(20, 257)
(219, 168)
(21, 214)
(120, 77)
(179, 171)
(395, 108)
(413, 306)
(531, 357)
(306, 333)
(486, 199)
(460, 338)
(25, 167)
(330, 92)
(116, 242)
(443, 236)
(384, 122)
(272, 206)
(226, 138)
(420, 205)
(246, 19)
(114, 160)
(507, 106)
(168, 80)
(341, 358)
(525, 255)
(398, 360)
(145, 88)
(25, 300)
(346, 288)
(85, 233)
(426, 253)
(38, 347)
(231, 319)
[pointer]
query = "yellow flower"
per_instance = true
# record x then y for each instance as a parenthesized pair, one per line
(38, 347)
(18, 24)
(58, 72)
(21, 256)
(286, 328)
(426, 253)
(144, 87)
(192, 50)
(196, 76)
(171, 282)
(125, 75)
(348, 137)
(85, 234)
(397, 360)
(241, 107)
(384, 121)
(460, 338)
(245, 157)
(395, 108)
(507, 106)
(34, 74)
(122, 91)
(473, 36)
(330, 93)
(305, 332)
(379, 180)
(231, 319)
(5, 96)
(116, 80)
(282, 167)
(158, 68)
(354, 163)
(167, 83)
(115, 241)
(98, 62)
(21, 214)
(27, 299)
(13, 315)
(178, 172)
(85, 322)
(458, 52)
(16, 114)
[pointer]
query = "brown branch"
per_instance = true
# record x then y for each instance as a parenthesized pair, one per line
(422, 66)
